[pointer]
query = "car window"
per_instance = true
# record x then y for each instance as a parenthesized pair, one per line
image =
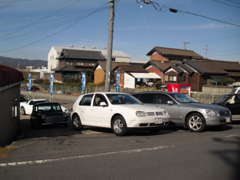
(99, 98)
(86, 100)
(222, 99)
(163, 99)
(183, 98)
(122, 99)
(48, 107)
(147, 98)
(35, 102)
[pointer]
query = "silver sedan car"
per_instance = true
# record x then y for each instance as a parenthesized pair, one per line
(183, 110)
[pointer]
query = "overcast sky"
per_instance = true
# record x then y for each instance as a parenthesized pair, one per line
(28, 28)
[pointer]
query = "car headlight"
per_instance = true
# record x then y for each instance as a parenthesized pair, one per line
(140, 114)
(212, 113)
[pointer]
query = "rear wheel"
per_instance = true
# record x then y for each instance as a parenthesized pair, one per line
(196, 122)
(119, 126)
(76, 122)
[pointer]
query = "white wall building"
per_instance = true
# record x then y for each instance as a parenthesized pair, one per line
(55, 52)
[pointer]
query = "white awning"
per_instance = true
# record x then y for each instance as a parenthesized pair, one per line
(146, 75)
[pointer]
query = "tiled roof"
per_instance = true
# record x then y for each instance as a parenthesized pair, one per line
(72, 69)
(137, 68)
(81, 54)
(160, 65)
(216, 67)
(9, 75)
(174, 52)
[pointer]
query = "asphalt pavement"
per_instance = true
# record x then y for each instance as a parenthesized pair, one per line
(57, 152)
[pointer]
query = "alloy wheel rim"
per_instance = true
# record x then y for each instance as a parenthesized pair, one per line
(76, 122)
(195, 122)
(118, 125)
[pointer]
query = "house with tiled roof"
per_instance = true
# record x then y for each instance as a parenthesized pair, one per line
(10, 81)
(175, 72)
(69, 62)
(216, 70)
(164, 54)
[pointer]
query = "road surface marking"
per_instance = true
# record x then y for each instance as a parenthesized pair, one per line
(43, 161)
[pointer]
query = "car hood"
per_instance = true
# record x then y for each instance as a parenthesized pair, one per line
(206, 106)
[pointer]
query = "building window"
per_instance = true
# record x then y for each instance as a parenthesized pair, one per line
(172, 78)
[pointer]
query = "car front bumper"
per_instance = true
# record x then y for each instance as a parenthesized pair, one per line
(146, 122)
(214, 121)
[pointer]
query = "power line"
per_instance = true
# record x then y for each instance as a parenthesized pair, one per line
(173, 10)
(66, 27)
(227, 3)
(21, 28)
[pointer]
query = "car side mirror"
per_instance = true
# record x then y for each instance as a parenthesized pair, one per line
(103, 104)
(170, 102)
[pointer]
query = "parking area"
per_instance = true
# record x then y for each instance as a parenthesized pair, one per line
(59, 152)
(62, 152)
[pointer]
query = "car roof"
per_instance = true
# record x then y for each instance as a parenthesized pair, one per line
(103, 92)
(153, 92)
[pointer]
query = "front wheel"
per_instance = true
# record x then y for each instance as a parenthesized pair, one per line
(196, 122)
(119, 126)
(76, 122)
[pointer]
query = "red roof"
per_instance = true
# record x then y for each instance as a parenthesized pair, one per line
(9, 75)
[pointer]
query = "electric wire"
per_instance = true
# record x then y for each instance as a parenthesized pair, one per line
(227, 3)
(173, 10)
(19, 29)
(66, 27)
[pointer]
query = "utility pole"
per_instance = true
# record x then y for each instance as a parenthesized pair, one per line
(110, 45)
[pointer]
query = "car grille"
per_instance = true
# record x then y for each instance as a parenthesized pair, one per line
(154, 113)
(150, 113)
(224, 113)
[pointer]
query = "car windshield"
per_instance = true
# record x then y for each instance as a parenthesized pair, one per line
(183, 98)
(222, 99)
(37, 102)
(122, 99)
(50, 107)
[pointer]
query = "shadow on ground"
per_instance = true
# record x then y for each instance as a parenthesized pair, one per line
(45, 131)
(230, 156)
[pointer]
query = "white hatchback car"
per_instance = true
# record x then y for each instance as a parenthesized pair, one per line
(118, 111)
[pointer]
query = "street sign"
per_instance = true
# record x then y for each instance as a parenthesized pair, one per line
(51, 84)
(29, 81)
(83, 82)
(118, 75)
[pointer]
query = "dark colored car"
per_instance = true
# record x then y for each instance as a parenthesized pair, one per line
(48, 113)
(232, 102)
(185, 111)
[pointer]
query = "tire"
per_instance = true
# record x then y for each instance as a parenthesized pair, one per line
(76, 122)
(196, 122)
(119, 126)
(22, 111)
(35, 124)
